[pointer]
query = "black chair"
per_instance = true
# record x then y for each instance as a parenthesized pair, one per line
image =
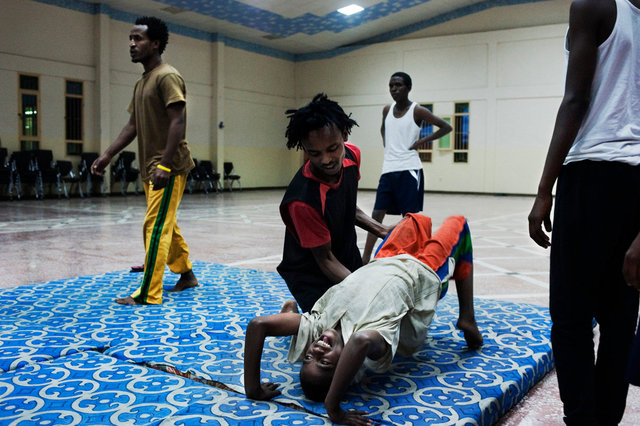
(47, 171)
(211, 175)
(25, 171)
(196, 177)
(85, 176)
(67, 176)
(6, 172)
(193, 177)
(123, 172)
(230, 178)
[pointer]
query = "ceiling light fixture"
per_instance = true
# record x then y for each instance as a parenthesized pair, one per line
(351, 9)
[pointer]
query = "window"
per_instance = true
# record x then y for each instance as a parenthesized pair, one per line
(28, 100)
(461, 133)
(73, 117)
(426, 152)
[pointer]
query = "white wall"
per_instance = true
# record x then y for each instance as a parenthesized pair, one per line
(60, 49)
(512, 79)
(258, 90)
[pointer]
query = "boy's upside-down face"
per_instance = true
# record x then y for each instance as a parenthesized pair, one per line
(322, 355)
(325, 149)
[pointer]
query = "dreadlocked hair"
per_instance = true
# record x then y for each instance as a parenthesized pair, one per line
(318, 113)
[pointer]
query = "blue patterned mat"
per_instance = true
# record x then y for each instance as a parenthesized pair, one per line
(69, 355)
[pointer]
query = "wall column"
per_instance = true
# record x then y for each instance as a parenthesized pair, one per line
(217, 106)
(103, 83)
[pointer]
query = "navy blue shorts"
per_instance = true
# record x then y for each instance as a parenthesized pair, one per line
(400, 192)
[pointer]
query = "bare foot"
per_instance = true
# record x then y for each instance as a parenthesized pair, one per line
(289, 306)
(187, 280)
(127, 301)
(471, 333)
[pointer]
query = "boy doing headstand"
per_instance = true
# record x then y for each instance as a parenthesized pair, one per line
(383, 307)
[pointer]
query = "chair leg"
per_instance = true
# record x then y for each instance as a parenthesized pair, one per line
(123, 187)
(39, 187)
(10, 188)
(88, 185)
(18, 187)
(59, 187)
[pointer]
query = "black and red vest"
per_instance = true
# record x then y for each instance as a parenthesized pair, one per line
(298, 267)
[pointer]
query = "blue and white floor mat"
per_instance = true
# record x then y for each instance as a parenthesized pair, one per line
(70, 355)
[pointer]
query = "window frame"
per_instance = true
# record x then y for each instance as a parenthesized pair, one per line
(459, 134)
(28, 142)
(74, 146)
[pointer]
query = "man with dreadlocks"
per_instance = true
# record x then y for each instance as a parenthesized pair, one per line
(319, 207)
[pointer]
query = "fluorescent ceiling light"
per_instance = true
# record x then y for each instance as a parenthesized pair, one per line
(351, 9)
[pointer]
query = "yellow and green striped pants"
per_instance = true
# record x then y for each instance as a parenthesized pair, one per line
(163, 242)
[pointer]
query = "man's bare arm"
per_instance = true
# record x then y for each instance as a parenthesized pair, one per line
(362, 344)
(176, 133)
(421, 114)
(126, 136)
(282, 324)
(584, 31)
(330, 266)
(367, 223)
(385, 111)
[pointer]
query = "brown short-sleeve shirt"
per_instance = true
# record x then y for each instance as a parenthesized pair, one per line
(156, 90)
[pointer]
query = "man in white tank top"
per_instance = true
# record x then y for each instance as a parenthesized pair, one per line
(401, 186)
(594, 155)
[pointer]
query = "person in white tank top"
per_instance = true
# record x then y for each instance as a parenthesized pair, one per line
(401, 186)
(594, 156)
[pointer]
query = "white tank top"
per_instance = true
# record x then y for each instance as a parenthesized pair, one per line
(611, 128)
(399, 135)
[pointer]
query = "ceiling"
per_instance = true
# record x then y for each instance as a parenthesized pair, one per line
(311, 27)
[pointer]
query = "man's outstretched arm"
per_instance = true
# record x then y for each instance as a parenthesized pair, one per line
(126, 136)
(371, 225)
(282, 324)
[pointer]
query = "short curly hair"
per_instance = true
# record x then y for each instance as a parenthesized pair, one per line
(405, 77)
(318, 113)
(156, 30)
(315, 388)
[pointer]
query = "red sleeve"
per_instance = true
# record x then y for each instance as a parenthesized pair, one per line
(356, 153)
(306, 225)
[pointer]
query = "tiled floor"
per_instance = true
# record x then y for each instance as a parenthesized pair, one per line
(52, 239)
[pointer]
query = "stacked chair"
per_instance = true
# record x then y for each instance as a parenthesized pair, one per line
(124, 173)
